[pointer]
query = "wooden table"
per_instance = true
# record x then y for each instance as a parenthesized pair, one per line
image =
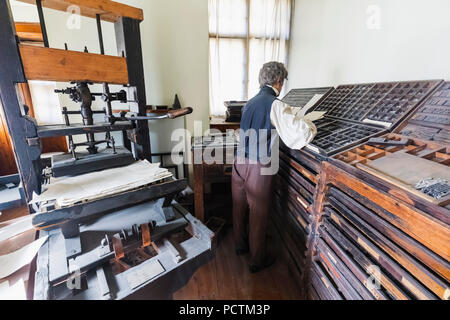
(220, 124)
(206, 172)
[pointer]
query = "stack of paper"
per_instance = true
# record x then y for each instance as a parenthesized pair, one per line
(15, 228)
(68, 191)
(10, 263)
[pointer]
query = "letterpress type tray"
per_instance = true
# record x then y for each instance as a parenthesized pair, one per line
(300, 97)
(431, 121)
(358, 112)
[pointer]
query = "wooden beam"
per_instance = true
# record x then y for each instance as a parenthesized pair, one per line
(7, 160)
(29, 31)
(25, 93)
(49, 64)
(108, 10)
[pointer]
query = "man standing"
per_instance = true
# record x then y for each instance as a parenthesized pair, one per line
(264, 118)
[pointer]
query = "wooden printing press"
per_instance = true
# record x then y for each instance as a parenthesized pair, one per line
(136, 243)
(363, 211)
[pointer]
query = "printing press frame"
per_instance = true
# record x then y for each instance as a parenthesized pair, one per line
(160, 218)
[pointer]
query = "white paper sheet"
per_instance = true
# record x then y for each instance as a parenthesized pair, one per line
(309, 105)
(22, 225)
(15, 292)
(67, 191)
(10, 263)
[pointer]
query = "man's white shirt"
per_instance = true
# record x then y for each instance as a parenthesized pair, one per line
(295, 131)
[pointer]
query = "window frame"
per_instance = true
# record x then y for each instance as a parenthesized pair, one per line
(246, 38)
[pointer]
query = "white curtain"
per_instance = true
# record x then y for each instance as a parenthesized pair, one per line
(244, 34)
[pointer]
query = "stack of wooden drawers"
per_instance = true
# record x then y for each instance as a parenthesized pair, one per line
(295, 187)
(353, 228)
(373, 245)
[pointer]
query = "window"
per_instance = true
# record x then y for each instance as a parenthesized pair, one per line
(243, 35)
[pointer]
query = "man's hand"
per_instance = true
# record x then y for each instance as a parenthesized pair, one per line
(315, 115)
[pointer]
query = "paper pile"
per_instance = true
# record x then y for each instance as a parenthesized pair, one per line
(19, 226)
(68, 191)
(10, 263)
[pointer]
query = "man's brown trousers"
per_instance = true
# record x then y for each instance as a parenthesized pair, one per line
(252, 195)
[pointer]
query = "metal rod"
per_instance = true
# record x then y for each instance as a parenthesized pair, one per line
(166, 116)
(42, 22)
(66, 118)
(176, 114)
(72, 146)
(100, 34)
(105, 85)
(108, 101)
(113, 142)
(79, 112)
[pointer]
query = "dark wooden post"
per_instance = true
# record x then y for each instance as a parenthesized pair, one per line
(128, 38)
(20, 126)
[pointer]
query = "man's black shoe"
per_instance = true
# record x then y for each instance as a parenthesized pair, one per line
(269, 261)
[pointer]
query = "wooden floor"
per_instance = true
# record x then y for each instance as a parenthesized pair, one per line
(227, 277)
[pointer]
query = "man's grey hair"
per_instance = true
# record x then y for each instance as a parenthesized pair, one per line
(271, 72)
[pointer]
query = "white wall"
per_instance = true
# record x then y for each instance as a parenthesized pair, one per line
(175, 52)
(175, 46)
(331, 43)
